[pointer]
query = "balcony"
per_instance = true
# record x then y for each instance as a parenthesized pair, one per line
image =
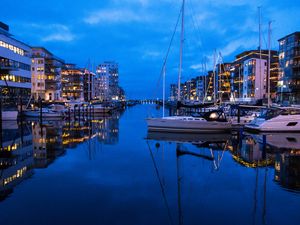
(7, 67)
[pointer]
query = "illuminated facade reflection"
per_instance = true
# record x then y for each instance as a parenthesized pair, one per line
(36, 146)
(16, 157)
(287, 170)
(251, 152)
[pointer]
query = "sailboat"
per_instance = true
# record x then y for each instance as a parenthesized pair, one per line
(214, 121)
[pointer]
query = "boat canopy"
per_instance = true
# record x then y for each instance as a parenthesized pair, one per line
(270, 113)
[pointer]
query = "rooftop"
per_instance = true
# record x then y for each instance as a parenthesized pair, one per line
(292, 34)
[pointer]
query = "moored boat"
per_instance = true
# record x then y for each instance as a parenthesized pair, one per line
(214, 121)
(285, 119)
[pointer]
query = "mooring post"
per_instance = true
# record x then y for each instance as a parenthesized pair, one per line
(40, 107)
(239, 114)
(74, 111)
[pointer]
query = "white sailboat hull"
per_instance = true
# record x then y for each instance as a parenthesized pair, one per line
(193, 126)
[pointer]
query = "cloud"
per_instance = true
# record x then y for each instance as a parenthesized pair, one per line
(196, 66)
(152, 54)
(52, 32)
(239, 44)
(139, 2)
(60, 33)
(115, 16)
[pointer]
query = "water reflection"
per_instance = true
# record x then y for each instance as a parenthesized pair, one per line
(32, 145)
(103, 171)
(16, 156)
(278, 151)
(260, 153)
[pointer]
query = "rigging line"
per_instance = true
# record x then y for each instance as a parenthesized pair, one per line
(168, 51)
(161, 185)
(195, 24)
(214, 160)
(189, 45)
(221, 158)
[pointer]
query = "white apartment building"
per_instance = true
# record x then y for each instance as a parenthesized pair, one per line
(254, 79)
(15, 72)
(46, 75)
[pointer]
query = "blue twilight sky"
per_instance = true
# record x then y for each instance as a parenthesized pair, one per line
(136, 33)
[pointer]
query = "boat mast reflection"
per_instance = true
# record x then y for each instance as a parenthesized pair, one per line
(202, 142)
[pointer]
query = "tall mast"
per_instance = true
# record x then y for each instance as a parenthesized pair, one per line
(164, 87)
(269, 65)
(181, 50)
(214, 77)
(260, 58)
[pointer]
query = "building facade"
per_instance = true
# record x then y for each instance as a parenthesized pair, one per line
(249, 75)
(72, 80)
(289, 74)
(107, 81)
(46, 75)
(89, 91)
(15, 72)
(223, 90)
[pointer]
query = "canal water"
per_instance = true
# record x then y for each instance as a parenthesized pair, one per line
(109, 170)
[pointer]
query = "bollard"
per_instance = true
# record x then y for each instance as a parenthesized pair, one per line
(239, 114)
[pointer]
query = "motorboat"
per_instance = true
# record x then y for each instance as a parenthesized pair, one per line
(214, 121)
(46, 113)
(284, 119)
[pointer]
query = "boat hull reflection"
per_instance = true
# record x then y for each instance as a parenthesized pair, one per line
(188, 137)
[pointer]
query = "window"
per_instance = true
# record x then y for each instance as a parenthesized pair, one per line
(12, 48)
(292, 124)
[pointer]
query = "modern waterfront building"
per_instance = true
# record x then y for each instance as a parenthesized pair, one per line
(249, 76)
(72, 79)
(102, 84)
(199, 88)
(15, 73)
(107, 80)
(173, 92)
(210, 91)
(46, 75)
(89, 90)
(289, 75)
(223, 79)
